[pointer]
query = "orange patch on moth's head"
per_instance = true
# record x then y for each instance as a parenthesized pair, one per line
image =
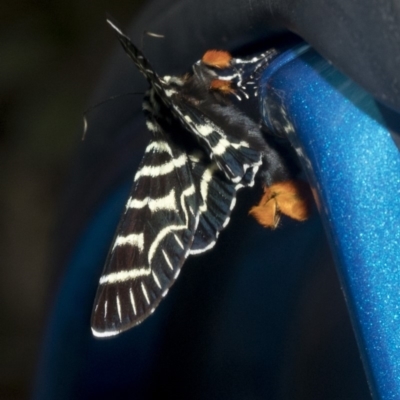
(217, 58)
(222, 86)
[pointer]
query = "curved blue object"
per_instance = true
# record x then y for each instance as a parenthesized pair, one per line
(354, 166)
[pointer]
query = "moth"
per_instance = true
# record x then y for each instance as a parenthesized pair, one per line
(203, 150)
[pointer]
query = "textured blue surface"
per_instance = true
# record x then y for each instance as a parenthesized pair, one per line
(354, 166)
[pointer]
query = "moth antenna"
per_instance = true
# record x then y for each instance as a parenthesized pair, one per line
(151, 34)
(85, 126)
(91, 108)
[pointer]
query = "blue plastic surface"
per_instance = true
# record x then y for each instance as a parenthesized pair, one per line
(354, 167)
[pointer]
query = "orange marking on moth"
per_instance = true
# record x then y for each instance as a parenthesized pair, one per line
(291, 198)
(222, 86)
(217, 58)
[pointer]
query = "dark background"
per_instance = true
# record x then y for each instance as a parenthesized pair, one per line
(51, 55)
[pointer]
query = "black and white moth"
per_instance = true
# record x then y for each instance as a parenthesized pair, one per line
(202, 151)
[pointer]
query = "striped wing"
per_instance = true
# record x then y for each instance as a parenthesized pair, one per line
(182, 197)
(152, 242)
(217, 200)
(231, 139)
(137, 57)
(199, 112)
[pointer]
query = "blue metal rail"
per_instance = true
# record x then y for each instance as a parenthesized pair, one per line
(353, 165)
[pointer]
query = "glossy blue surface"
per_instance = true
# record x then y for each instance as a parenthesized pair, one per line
(354, 166)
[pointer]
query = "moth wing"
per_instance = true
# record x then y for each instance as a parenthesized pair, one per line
(137, 57)
(217, 200)
(231, 138)
(153, 239)
(210, 122)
